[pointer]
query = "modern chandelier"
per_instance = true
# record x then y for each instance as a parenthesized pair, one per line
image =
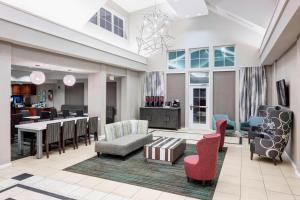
(153, 34)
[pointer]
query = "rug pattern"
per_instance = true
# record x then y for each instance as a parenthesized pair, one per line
(135, 171)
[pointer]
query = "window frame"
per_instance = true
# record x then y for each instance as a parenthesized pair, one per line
(224, 66)
(113, 14)
(118, 26)
(190, 58)
(185, 60)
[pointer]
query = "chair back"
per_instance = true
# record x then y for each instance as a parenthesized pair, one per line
(65, 113)
(53, 132)
(221, 129)
(81, 127)
(25, 113)
(68, 130)
(207, 149)
(93, 125)
(45, 115)
(79, 113)
(53, 113)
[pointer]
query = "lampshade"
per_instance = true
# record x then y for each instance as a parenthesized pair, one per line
(69, 80)
(37, 77)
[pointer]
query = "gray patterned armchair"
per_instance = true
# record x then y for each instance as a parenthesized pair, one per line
(273, 134)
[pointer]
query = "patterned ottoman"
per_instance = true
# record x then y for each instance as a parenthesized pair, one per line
(164, 150)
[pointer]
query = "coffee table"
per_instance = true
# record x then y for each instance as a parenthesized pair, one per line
(164, 150)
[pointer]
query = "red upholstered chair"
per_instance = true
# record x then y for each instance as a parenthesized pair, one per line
(203, 167)
(221, 128)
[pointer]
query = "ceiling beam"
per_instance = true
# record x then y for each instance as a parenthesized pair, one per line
(242, 21)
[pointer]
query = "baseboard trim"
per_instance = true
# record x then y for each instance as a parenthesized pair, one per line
(293, 164)
(5, 165)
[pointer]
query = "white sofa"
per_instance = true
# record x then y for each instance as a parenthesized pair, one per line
(122, 138)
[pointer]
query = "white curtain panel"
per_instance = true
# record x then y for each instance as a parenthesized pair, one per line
(253, 91)
(154, 84)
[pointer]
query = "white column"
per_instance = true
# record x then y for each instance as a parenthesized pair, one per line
(5, 88)
(97, 97)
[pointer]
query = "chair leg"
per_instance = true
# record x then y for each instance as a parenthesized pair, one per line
(32, 147)
(274, 161)
(59, 147)
(47, 148)
(98, 154)
(188, 179)
(89, 138)
(74, 143)
(63, 146)
(280, 158)
(96, 136)
(251, 156)
(85, 139)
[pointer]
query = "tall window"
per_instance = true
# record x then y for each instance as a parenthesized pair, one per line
(105, 19)
(224, 56)
(176, 60)
(199, 58)
(118, 26)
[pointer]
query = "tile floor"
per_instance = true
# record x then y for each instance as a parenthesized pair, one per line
(240, 177)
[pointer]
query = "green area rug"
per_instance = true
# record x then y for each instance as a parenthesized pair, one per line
(135, 171)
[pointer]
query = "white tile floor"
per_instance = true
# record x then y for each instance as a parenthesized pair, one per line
(240, 177)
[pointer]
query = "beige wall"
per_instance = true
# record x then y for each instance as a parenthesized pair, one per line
(288, 68)
(224, 94)
(176, 90)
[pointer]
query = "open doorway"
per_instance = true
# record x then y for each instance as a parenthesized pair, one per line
(113, 101)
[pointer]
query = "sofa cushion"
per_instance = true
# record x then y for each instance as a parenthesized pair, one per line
(134, 126)
(124, 145)
(127, 129)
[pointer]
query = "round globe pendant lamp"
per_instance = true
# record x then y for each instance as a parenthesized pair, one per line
(69, 80)
(37, 77)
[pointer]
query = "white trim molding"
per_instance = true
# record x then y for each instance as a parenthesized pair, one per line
(3, 166)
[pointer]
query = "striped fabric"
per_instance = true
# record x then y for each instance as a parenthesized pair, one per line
(143, 127)
(253, 91)
(164, 149)
(53, 132)
(93, 125)
(81, 127)
(68, 130)
(127, 129)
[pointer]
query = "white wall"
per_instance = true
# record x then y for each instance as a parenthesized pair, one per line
(205, 31)
(5, 88)
(131, 88)
(58, 94)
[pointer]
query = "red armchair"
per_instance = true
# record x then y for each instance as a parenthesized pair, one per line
(221, 128)
(203, 167)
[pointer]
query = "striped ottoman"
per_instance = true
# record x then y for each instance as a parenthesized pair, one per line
(164, 150)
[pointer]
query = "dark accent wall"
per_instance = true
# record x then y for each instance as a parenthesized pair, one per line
(224, 93)
(176, 90)
(74, 95)
(111, 94)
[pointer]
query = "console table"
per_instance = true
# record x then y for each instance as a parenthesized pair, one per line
(161, 117)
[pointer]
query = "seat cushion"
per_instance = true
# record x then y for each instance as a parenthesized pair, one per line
(192, 160)
(123, 145)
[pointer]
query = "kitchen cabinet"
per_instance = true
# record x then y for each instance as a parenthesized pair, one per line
(24, 89)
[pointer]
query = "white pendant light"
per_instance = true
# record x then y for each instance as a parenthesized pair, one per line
(37, 77)
(69, 80)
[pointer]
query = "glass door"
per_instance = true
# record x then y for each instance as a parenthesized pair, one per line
(199, 107)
